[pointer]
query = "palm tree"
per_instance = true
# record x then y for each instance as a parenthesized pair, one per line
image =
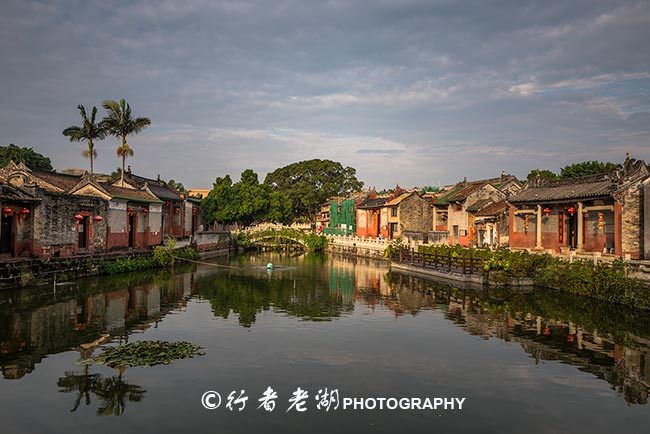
(87, 132)
(120, 123)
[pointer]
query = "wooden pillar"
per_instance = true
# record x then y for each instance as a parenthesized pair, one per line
(538, 229)
(618, 229)
(581, 231)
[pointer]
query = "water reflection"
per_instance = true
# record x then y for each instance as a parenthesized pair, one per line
(610, 342)
(37, 322)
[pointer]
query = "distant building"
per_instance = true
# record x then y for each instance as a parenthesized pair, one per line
(456, 210)
(600, 213)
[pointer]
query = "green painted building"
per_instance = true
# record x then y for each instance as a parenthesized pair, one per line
(343, 219)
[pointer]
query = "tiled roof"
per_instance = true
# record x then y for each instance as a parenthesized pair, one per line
(372, 203)
(9, 193)
(492, 209)
(60, 180)
(163, 191)
(476, 206)
(398, 199)
(462, 190)
(576, 188)
(130, 194)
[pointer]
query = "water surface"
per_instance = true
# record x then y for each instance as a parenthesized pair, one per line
(536, 361)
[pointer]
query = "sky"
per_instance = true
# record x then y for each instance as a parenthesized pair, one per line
(412, 92)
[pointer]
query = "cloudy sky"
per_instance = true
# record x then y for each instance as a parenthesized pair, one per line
(408, 91)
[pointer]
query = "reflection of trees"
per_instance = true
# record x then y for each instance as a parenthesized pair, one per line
(113, 391)
(248, 295)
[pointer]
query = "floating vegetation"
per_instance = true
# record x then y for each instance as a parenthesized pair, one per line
(147, 353)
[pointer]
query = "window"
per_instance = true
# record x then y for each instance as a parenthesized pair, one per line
(393, 212)
(455, 231)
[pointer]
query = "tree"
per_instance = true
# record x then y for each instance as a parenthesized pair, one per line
(176, 186)
(246, 201)
(29, 157)
(543, 174)
(310, 183)
(88, 132)
(120, 123)
(586, 168)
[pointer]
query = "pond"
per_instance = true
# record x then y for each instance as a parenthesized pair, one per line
(334, 327)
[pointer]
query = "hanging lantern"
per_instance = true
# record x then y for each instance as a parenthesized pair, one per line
(98, 218)
(195, 210)
(601, 220)
(144, 210)
(24, 211)
(7, 211)
(526, 222)
(547, 331)
(547, 210)
(572, 210)
(130, 210)
(78, 217)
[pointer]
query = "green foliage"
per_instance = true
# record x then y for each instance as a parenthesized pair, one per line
(245, 202)
(176, 186)
(310, 183)
(393, 247)
(164, 255)
(603, 281)
(586, 168)
(315, 242)
(128, 263)
(88, 132)
(28, 156)
(147, 353)
(543, 174)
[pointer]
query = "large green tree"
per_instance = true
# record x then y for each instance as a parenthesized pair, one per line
(88, 132)
(246, 201)
(310, 183)
(586, 168)
(28, 156)
(119, 122)
(541, 173)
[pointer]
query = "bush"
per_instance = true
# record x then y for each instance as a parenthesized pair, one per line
(164, 255)
(315, 242)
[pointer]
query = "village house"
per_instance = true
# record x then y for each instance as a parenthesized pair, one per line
(180, 217)
(372, 217)
(470, 213)
(50, 214)
(409, 216)
(600, 213)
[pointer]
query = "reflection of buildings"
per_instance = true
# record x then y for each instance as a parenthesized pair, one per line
(29, 331)
(624, 361)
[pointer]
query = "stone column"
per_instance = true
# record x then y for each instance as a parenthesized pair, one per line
(538, 229)
(581, 231)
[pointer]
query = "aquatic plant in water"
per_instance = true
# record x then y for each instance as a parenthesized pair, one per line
(147, 353)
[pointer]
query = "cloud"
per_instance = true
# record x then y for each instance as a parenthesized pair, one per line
(408, 91)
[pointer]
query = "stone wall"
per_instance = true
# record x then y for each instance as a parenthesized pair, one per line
(415, 215)
(632, 227)
(211, 240)
(646, 219)
(56, 232)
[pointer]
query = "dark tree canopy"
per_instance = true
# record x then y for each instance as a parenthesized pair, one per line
(543, 174)
(575, 170)
(245, 202)
(586, 168)
(28, 156)
(310, 183)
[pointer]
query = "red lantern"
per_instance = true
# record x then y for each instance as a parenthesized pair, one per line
(195, 210)
(130, 210)
(547, 210)
(572, 210)
(98, 218)
(7, 211)
(24, 211)
(78, 217)
(144, 210)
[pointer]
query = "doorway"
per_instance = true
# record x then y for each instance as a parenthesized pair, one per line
(7, 234)
(132, 230)
(83, 233)
(572, 231)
